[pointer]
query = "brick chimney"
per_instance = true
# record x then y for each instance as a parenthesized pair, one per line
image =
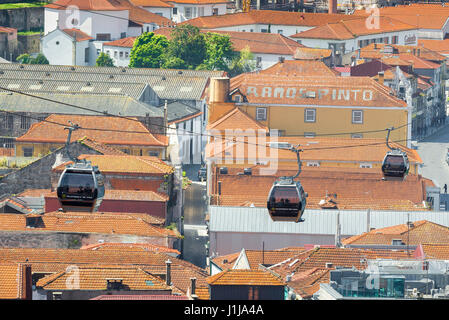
(193, 288)
(219, 89)
(332, 6)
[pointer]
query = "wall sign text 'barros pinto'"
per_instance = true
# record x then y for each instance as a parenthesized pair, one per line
(300, 93)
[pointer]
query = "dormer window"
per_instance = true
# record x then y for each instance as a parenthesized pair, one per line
(237, 98)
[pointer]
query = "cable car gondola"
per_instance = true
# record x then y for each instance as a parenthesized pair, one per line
(395, 163)
(81, 185)
(287, 199)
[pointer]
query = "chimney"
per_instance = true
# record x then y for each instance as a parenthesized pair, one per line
(418, 51)
(381, 77)
(219, 89)
(332, 6)
(193, 285)
(168, 271)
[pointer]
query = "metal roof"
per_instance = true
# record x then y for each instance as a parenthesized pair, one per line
(353, 222)
(166, 83)
(178, 110)
(116, 105)
(30, 85)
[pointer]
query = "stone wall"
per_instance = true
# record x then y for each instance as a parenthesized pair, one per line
(29, 43)
(37, 175)
(23, 19)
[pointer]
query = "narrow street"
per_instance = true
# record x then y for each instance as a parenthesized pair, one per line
(195, 229)
(432, 151)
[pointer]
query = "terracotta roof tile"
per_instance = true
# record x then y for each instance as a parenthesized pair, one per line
(97, 5)
(440, 46)
(141, 297)
(152, 3)
(312, 53)
(100, 147)
(7, 30)
(299, 68)
(325, 89)
(353, 28)
(77, 34)
(421, 232)
(125, 164)
(95, 278)
(438, 251)
(236, 119)
(12, 281)
(244, 277)
(267, 17)
(125, 42)
(203, 293)
(50, 132)
(106, 223)
(143, 247)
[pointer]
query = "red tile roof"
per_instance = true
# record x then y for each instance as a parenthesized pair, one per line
(125, 42)
(77, 222)
(7, 30)
(141, 297)
(127, 164)
(13, 281)
(152, 3)
(297, 68)
(95, 5)
(350, 29)
(123, 131)
(199, 1)
(95, 278)
(421, 232)
(143, 247)
(267, 17)
(244, 278)
(312, 53)
(423, 16)
(379, 50)
(235, 120)
(327, 90)
(77, 34)
(440, 46)
(438, 251)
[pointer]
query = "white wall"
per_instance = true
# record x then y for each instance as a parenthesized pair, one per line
(58, 54)
(270, 59)
(287, 30)
(195, 12)
(90, 22)
(165, 12)
(81, 53)
(94, 46)
(118, 61)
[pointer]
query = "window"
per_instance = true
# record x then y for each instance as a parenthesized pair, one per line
(357, 116)
(153, 153)
(57, 43)
(309, 115)
(237, 98)
(215, 11)
(194, 12)
(299, 41)
(86, 55)
(121, 54)
(394, 39)
(28, 152)
(148, 29)
(125, 151)
(107, 52)
(309, 134)
(261, 114)
(188, 12)
(259, 62)
(98, 51)
(360, 43)
(264, 30)
(201, 11)
(313, 164)
(8, 121)
(175, 11)
(357, 136)
(57, 295)
(386, 39)
(280, 31)
(252, 30)
(24, 122)
(115, 54)
(122, 35)
(126, 54)
(397, 242)
(103, 36)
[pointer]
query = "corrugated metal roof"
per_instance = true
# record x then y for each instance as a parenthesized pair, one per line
(31, 85)
(167, 83)
(116, 105)
(178, 110)
(248, 219)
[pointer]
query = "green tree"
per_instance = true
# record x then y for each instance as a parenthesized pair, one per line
(189, 45)
(174, 63)
(244, 62)
(104, 60)
(219, 52)
(28, 59)
(148, 51)
(40, 59)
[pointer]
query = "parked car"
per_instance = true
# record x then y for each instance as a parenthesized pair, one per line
(202, 174)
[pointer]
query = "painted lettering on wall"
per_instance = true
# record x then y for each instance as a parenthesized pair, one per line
(300, 93)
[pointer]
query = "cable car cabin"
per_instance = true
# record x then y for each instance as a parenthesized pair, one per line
(286, 201)
(395, 164)
(81, 188)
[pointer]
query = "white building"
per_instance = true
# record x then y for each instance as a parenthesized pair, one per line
(159, 7)
(67, 47)
(189, 9)
(347, 36)
(119, 51)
